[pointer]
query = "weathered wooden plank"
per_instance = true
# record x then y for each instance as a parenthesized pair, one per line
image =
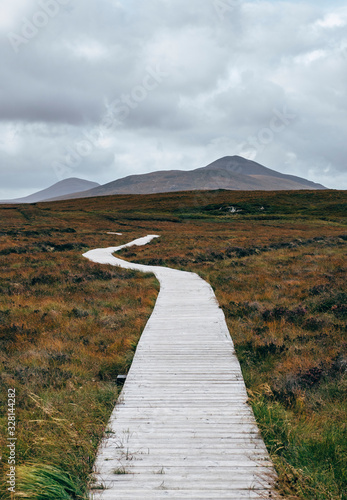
(182, 428)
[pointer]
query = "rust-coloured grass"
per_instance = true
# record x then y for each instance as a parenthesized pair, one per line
(68, 327)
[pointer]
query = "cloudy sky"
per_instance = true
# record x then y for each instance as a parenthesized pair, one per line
(100, 89)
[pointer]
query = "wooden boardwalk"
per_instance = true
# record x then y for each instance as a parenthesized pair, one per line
(182, 428)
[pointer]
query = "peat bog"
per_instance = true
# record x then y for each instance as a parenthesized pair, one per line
(276, 261)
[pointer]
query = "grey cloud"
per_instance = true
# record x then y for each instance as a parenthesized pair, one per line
(225, 77)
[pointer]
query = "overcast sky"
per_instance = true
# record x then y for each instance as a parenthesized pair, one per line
(101, 89)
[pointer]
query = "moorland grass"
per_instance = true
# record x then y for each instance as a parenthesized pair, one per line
(68, 326)
(286, 311)
(44, 482)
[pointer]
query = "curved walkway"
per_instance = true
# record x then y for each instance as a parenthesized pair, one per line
(182, 428)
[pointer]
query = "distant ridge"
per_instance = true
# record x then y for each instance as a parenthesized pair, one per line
(230, 172)
(61, 188)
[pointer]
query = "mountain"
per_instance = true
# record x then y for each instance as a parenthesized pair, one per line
(230, 172)
(62, 188)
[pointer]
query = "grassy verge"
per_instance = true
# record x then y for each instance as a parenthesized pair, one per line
(288, 321)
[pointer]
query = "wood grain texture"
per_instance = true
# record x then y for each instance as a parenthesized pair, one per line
(182, 428)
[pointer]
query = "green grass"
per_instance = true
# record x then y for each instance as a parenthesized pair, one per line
(43, 482)
(310, 458)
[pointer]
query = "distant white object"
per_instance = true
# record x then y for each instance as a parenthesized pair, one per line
(182, 428)
(234, 210)
(118, 234)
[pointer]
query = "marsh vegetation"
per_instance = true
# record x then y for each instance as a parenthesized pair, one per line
(68, 327)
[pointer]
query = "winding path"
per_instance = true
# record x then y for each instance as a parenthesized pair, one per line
(182, 428)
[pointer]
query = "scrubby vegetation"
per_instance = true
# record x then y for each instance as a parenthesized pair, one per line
(68, 327)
